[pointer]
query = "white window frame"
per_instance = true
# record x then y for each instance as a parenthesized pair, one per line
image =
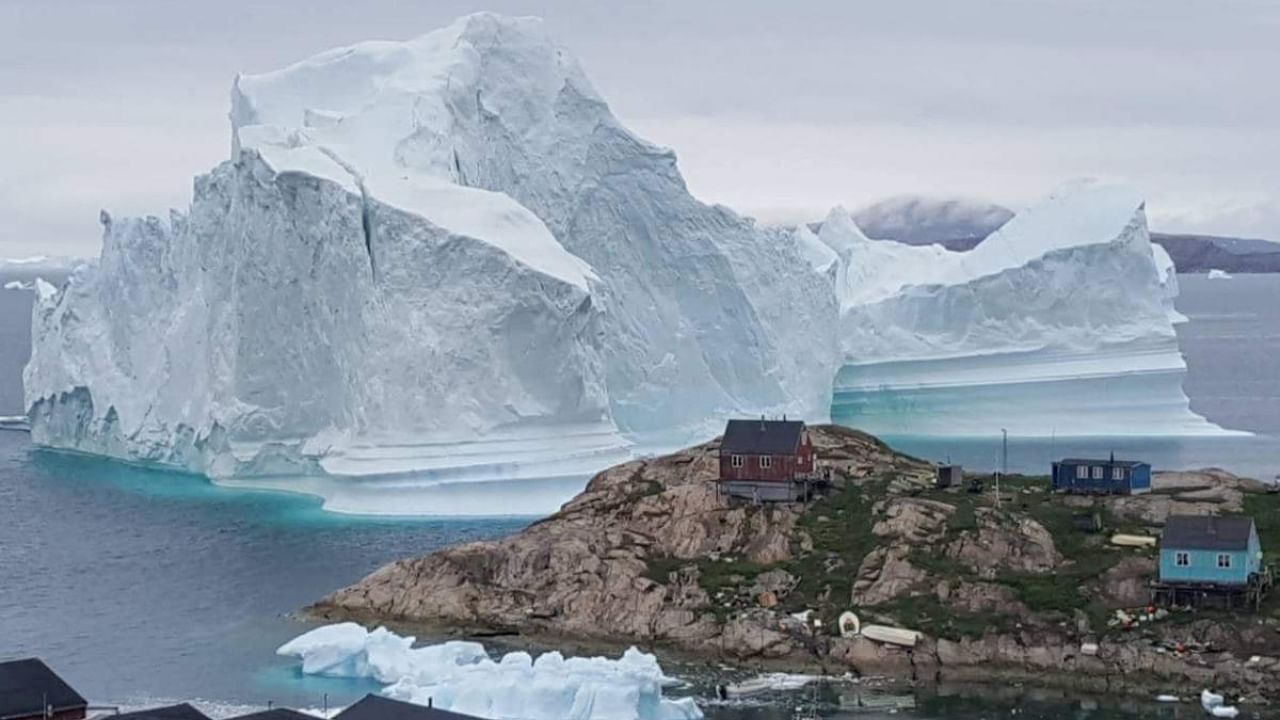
(1097, 472)
(1117, 473)
(766, 461)
(1082, 472)
(1224, 561)
(735, 461)
(1182, 559)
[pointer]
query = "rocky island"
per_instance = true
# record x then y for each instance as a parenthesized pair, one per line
(1001, 588)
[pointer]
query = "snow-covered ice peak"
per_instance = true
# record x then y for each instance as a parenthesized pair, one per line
(1066, 302)
(1080, 213)
(396, 120)
(701, 303)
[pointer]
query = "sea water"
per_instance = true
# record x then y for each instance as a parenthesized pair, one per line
(144, 587)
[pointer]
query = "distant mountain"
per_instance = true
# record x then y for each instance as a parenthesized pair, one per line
(1202, 253)
(962, 224)
(953, 223)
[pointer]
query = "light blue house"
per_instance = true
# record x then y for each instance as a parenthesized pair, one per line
(1219, 550)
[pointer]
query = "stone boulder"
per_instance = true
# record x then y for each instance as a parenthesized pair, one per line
(1004, 543)
(886, 573)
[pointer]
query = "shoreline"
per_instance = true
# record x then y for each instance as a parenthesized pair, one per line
(650, 554)
(918, 670)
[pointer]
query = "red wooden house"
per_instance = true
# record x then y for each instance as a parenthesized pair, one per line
(766, 460)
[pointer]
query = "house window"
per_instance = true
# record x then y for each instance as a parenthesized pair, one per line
(1082, 472)
(1224, 560)
(736, 461)
(1097, 472)
(766, 461)
(1117, 473)
(1182, 559)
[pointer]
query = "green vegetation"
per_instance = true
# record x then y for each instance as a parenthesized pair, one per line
(1265, 509)
(838, 528)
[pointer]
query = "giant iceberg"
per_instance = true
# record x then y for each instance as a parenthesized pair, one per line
(439, 258)
(1060, 322)
(459, 676)
(433, 262)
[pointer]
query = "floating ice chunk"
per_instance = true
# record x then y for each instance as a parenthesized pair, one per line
(349, 650)
(1210, 700)
(1216, 274)
(461, 677)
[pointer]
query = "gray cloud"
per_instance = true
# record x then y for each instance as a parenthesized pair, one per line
(779, 110)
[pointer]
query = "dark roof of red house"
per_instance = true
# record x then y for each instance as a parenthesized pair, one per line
(376, 707)
(181, 711)
(762, 437)
(274, 714)
(26, 686)
(1207, 532)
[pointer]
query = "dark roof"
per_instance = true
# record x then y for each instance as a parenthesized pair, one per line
(181, 711)
(376, 707)
(274, 714)
(1207, 532)
(1101, 461)
(27, 685)
(762, 437)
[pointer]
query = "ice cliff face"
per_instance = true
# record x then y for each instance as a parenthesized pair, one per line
(700, 304)
(441, 255)
(1059, 322)
(256, 327)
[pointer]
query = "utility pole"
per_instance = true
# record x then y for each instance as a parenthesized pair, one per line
(1004, 452)
(1004, 461)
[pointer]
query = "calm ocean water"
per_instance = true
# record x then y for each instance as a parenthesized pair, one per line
(144, 586)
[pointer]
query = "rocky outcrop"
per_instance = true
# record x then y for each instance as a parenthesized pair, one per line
(1004, 542)
(650, 553)
(885, 574)
(585, 571)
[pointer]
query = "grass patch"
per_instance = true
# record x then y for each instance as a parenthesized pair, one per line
(930, 615)
(839, 526)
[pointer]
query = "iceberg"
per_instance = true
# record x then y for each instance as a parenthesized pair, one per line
(439, 264)
(1060, 322)
(460, 676)
(436, 261)
(1215, 274)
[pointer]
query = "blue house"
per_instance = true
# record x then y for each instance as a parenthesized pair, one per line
(1210, 550)
(1118, 477)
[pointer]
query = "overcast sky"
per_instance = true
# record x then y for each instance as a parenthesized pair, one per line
(778, 109)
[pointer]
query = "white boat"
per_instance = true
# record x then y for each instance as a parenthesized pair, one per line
(763, 684)
(877, 702)
(1133, 540)
(892, 635)
(849, 624)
